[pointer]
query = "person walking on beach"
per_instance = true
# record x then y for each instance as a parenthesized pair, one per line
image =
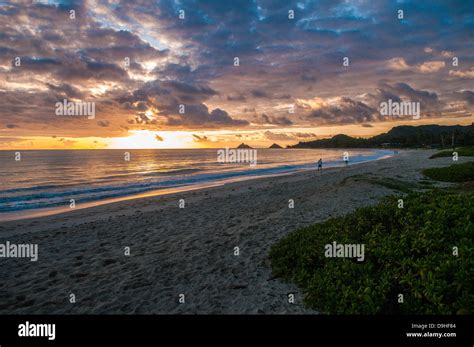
(320, 164)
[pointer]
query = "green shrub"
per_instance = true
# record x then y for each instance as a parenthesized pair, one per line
(408, 251)
(454, 173)
(462, 152)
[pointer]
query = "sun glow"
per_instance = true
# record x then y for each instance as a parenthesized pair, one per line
(140, 139)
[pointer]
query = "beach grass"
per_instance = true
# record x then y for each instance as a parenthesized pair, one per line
(462, 152)
(454, 173)
(394, 184)
(388, 182)
(408, 251)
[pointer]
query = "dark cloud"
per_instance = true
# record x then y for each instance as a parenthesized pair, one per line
(304, 135)
(238, 97)
(142, 118)
(430, 105)
(103, 123)
(259, 94)
(199, 116)
(465, 95)
(347, 111)
(265, 95)
(65, 90)
(265, 119)
(138, 106)
(168, 92)
(181, 104)
(66, 142)
(198, 138)
(350, 111)
(403, 89)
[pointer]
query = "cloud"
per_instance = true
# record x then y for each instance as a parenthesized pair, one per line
(238, 97)
(462, 74)
(365, 110)
(249, 110)
(430, 105)
(138, 106)
(404, 89)
(447, 54)
(142, 118)
(265, 119)
(400, 64)
(198, 116)
(259, 94)
(197, 138)
(287, 136)
(67, 142)
(66, 91)
(304, 135)
(466, 95)
(103, 123)
(277, 136)
(179, 104)
(344, 111)
(431, 66)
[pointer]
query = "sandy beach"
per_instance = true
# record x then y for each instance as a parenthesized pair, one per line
(190, 250)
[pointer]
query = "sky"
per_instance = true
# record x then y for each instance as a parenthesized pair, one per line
(212, 74)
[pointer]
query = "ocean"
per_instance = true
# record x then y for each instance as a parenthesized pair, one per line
(48, 179)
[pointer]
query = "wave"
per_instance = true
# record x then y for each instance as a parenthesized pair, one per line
(48, 196)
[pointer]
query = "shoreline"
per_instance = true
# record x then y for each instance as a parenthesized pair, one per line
(43, 212)
(189, 250)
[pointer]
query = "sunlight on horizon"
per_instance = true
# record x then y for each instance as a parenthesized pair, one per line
(141, 139)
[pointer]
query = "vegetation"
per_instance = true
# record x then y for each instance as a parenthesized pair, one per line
(408, 251)
(401, 186)
(433, 136)
(462, 152)
(454, 173)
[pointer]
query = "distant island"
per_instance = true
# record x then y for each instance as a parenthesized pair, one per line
(405, 136)
(275, 145)
(243, 145)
